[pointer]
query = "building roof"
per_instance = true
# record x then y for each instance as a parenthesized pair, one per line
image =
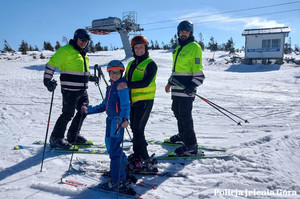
(262, 31)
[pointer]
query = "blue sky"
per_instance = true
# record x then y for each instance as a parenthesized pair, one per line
(38, 21)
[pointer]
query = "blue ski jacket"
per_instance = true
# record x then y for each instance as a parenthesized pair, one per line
(116, 102)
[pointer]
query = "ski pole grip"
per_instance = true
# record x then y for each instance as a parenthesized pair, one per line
(95, 69)
(83, 110)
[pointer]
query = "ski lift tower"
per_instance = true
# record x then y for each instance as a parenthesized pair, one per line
(113, 24)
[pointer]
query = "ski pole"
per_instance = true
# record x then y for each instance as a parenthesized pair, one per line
(212, 105)
(210, 102)
(97, 83)
(45, 143)
(122, 145)
(217, 107)
(79, 127)
(100, 73)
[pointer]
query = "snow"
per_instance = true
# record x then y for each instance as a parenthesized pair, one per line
(267, 154)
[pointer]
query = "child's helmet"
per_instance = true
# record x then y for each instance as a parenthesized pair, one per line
(115, 64)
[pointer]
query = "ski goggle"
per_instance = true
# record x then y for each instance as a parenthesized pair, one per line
(185, 26)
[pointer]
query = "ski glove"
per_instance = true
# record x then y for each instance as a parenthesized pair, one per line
(94, 79)
(172, 81)
(189, 91)
(51, 85)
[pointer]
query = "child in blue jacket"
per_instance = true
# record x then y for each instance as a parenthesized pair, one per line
(117, 107)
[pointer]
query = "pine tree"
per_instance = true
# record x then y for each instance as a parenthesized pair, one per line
(48, 46)
(23, 47)
(7, 47)
(156, 45)
(152, 45)
(91, 47)
(98, 47)
(212, 45)
(201, 43)
(173, 42)
(36, 48)
(165, 46)
(57, 46)
(65, 40)
(229, 46)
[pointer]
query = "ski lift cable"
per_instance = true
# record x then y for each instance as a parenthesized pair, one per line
(228, 19)
(225, 12)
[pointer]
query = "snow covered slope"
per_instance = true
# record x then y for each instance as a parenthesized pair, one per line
(267, 154)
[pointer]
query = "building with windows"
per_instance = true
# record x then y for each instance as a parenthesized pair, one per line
(265, 44)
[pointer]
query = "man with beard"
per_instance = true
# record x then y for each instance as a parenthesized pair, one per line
(186, 76)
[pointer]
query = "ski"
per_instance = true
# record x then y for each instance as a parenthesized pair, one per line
(160, 173)
(75, 183)
(81, 150)
(203, 147)
(85, 148)
(89, 144)
(74, 149)
(173, 156)
(105, 172)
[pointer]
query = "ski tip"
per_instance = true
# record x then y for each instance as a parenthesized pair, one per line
(18, 147)
(38, 142)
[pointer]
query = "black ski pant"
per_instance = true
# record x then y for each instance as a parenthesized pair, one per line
(72, 100)
(139, 115)
(182, 110)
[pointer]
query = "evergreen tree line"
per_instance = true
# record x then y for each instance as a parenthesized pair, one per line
(24, 47)
(211, 45)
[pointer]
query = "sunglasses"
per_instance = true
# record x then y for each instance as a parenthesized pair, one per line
(83, 39)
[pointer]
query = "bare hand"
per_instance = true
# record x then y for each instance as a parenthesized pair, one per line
(122, 85)
(125, 124)
(84, 109)
(167, 88)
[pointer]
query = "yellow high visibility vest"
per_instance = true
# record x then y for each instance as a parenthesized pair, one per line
(138, 94)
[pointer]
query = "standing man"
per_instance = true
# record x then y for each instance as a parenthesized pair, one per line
(186, 76)
(140, 76)
(73, 63)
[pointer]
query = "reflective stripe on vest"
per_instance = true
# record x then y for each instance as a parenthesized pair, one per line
(138, 94)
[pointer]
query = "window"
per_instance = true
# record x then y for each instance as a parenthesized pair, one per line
(276, 43)
(266, 43)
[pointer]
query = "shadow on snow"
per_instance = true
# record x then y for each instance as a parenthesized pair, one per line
(242, 68)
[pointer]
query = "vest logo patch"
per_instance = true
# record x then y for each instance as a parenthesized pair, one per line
(197, 60)
(140, 69)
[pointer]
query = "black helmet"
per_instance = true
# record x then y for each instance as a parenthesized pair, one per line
(82, 34)
(185, 25)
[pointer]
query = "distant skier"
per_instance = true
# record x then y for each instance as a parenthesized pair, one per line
(74, 76)
(117, 107)
(187, 70)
